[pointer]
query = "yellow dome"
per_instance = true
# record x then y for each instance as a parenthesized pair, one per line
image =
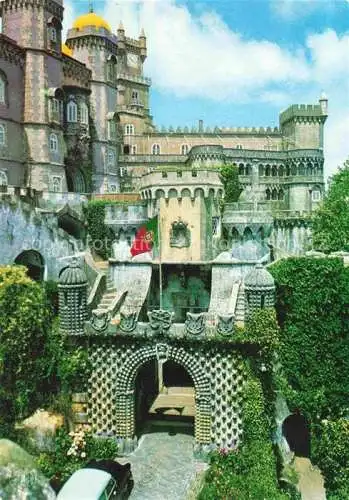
(90, 19)
(66, 50)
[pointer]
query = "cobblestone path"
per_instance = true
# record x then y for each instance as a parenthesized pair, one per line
(163, 466)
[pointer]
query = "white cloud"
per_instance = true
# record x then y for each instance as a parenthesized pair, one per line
(200, 56)
(291, 9)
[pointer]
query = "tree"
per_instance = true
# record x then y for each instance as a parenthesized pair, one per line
(230, 179)
(331, 220)
(26, 360)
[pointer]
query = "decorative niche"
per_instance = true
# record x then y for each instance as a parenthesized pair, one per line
(179, 234)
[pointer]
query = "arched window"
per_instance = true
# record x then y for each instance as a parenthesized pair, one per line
(184, 149)
(268, 194)
(241, 169)
(267, 171)
(3, 178)
(133, 149)
(239, 146)
(155, 149)
(281, 170)
(274, 194)
(83, 113)
(274, 171)
(129, 129)
(53, 143)
(72, 112)
(248, 169)
(2, 135)
(111, 68)
(2, 90)
(281, 194)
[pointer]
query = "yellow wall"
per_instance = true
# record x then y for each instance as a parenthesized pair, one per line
(194, 213)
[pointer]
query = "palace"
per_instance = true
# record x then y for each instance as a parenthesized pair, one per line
(75, 124)
(75, 117)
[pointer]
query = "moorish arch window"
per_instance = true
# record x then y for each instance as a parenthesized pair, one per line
(84, 113)
(2, 135)
(133, 149)
(155, 149)
(72, 112)
(3, 178)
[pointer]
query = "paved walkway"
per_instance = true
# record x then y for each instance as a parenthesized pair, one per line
(163, 466)
(311, 482)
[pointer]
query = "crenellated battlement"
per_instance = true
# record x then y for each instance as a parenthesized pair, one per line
(260, 131)
(303, 111)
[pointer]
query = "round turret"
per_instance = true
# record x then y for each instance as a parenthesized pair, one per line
(259, 289)
(72, 295)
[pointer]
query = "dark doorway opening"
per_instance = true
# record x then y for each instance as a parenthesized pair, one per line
(165, 399)
(34, 262)
(295, 428)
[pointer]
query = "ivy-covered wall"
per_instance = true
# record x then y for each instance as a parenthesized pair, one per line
(250, 472)
(312, 307)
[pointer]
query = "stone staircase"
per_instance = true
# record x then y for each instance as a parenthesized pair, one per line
(107, 299)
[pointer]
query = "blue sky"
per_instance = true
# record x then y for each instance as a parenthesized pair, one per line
(239, 62)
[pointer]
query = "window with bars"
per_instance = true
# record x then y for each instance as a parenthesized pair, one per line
(56, 183)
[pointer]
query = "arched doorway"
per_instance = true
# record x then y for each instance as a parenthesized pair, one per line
(76, 181)
(295, 428)
(34, 262)
(164, 398)
(126, 392)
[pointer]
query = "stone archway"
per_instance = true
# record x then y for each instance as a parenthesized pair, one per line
(34, 262)
(296, 431)
(125, 394)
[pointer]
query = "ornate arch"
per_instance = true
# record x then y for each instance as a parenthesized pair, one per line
(125, 391)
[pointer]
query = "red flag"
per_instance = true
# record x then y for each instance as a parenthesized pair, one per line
(146, 237)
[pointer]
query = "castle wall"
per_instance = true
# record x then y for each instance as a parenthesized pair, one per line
(23, 228)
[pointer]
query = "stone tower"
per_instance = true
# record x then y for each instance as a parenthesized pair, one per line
(92, 43)
(36, 26)
(133, 89)
(188, 204)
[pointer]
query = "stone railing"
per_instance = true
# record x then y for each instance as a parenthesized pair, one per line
(134, 78)
(154, 159)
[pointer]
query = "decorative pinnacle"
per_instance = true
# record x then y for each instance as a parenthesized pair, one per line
(90, 5)
(121, 27)
(142, 35)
